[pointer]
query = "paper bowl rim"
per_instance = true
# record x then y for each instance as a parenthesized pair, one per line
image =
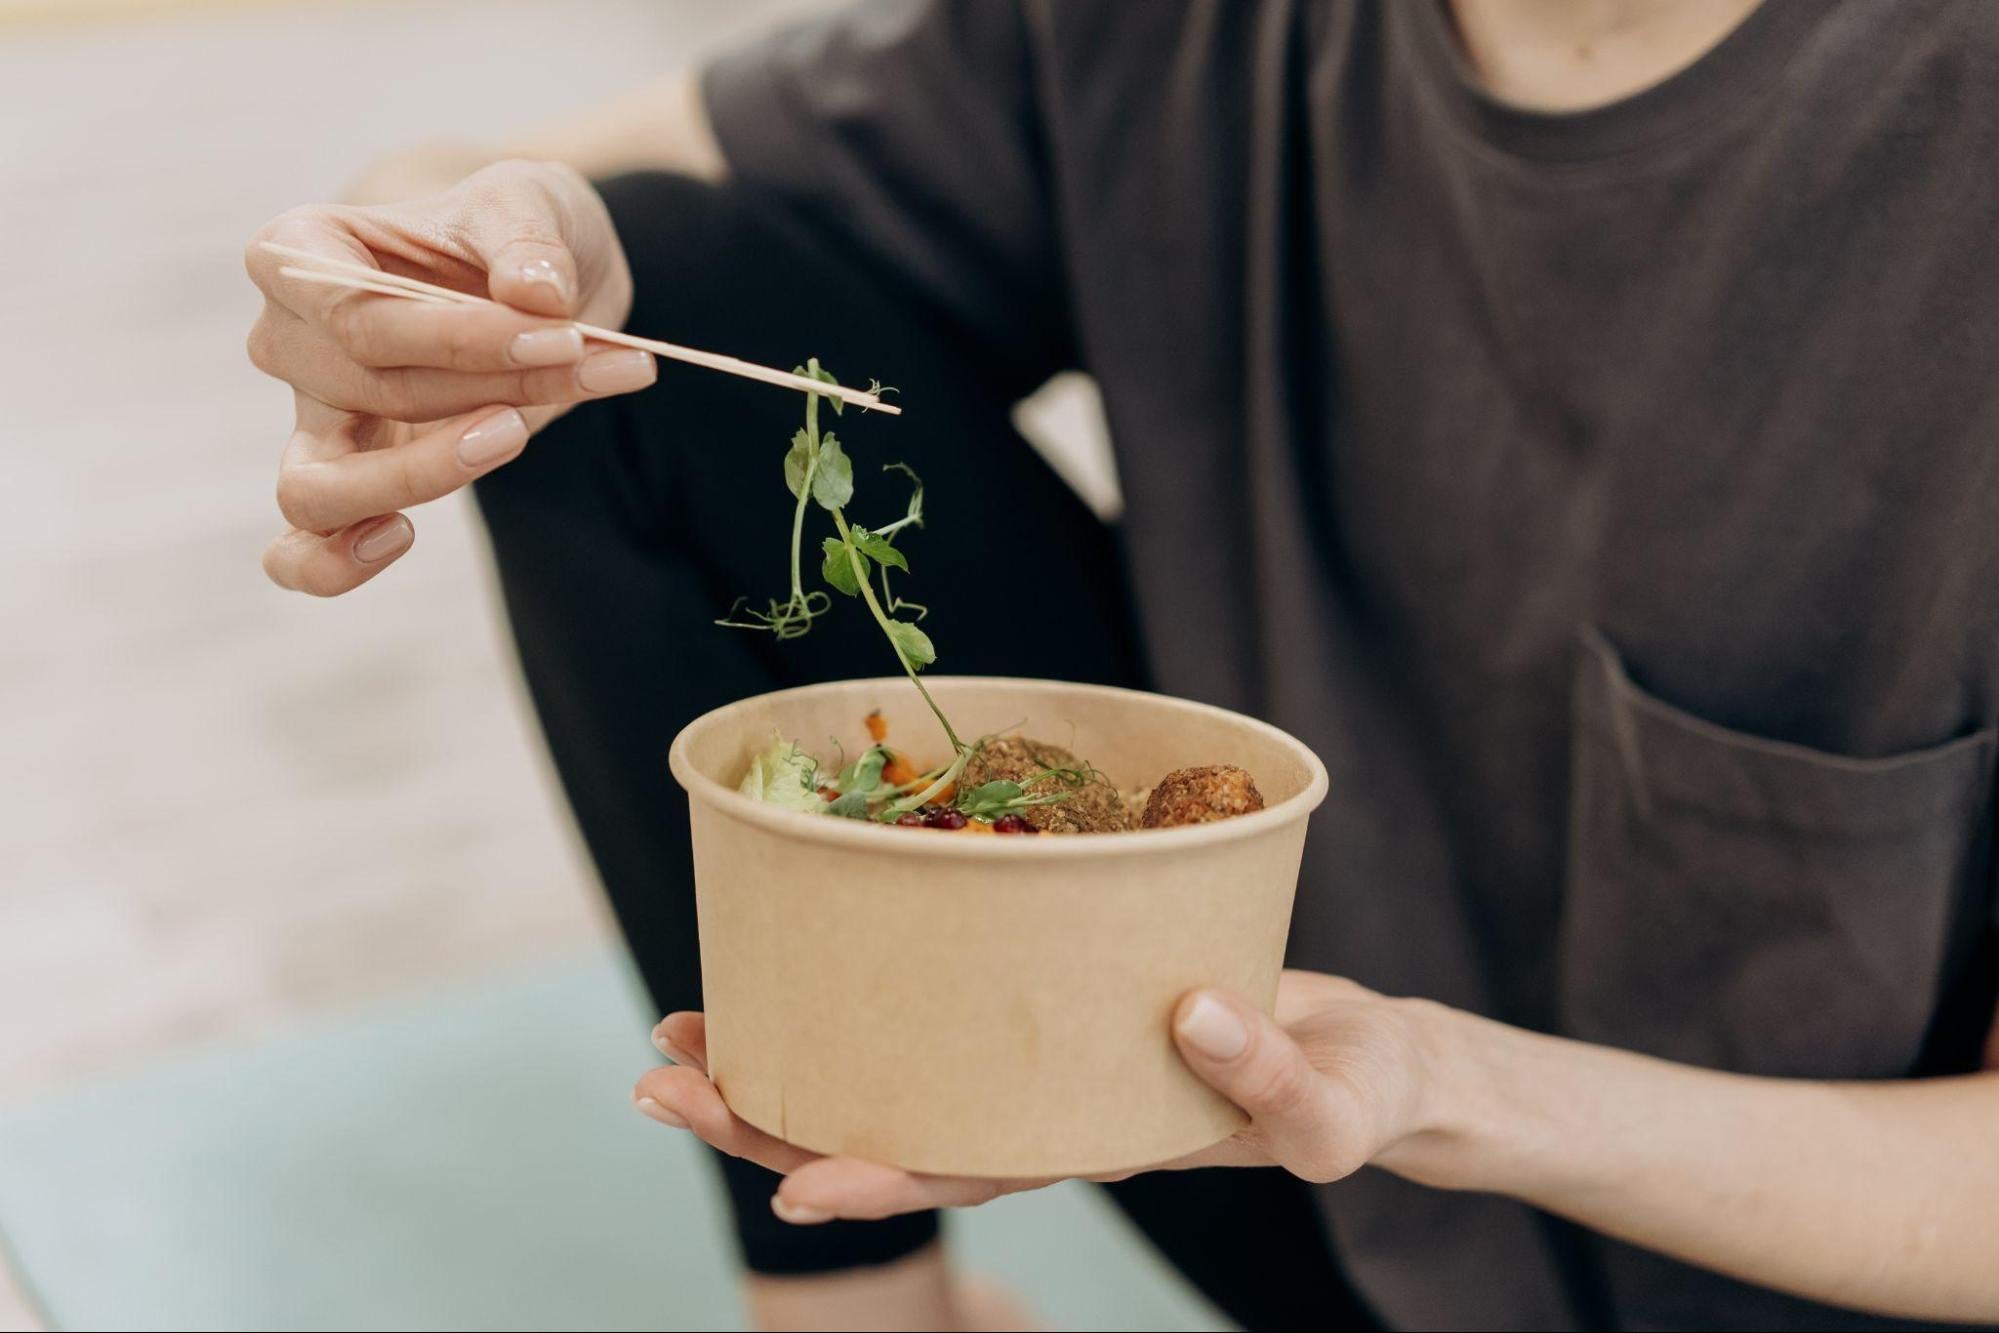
(867, 835)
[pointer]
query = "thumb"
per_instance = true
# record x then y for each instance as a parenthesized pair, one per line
(515, 224)
(534, 274)
(1244, 1055)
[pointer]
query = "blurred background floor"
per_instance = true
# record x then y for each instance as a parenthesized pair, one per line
(228, 805)
(245, 832)
(466, 1158)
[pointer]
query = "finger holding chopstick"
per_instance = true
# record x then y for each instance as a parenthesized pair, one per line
(364, 378)
(402, 400)
(550, 259)
(436, 336)
(385, 321)
(378, 330)
(327, 271)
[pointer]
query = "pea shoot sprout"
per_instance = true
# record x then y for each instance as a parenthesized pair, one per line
(818, 471)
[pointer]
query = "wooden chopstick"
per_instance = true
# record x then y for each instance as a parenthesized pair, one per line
(334, 272)
(326, 279)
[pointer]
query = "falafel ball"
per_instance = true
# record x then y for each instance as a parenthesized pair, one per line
(1201, 796)
(1093, 805)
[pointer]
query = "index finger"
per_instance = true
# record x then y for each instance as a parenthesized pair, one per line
(849, 1187)
(384, 332)
(683, 1038)
(696, 1104)
(315, 230)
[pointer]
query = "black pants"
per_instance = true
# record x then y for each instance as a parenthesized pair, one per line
(630, 525)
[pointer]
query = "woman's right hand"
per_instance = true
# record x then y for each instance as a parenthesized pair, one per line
(400, 402)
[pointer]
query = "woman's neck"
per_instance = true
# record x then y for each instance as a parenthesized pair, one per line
(1570, 55)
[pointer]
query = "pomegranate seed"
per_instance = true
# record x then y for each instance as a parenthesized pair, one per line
(945, 818)
(910, 820)
(1013, 823)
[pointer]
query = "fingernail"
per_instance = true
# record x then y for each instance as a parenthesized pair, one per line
(390, 537)
(797, 1213)
(487, 442)
(618, 371)
(1211, 1028)
(667, 1048)
(543, 272)
(546, 347)
(647, 1106)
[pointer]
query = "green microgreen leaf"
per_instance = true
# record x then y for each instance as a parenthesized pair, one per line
(858, 783)
(880, 547)
(912, 643)
(865, 773)
(993, 799)
(818, 372)
(990, 799)
(797, 464)
(839, 569)
(833, 482)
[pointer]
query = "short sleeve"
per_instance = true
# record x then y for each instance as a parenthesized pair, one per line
(906, 132)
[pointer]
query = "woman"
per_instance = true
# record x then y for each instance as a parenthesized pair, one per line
(1573, 420)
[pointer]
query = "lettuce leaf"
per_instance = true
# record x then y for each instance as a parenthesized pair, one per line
(782, 774)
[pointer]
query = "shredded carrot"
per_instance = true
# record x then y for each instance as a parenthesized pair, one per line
(898, 771)
(975, 826)
(946, 796)
(877, 726)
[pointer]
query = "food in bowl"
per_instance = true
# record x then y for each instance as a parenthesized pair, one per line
(1009, 784)
(1004, 784)
(1200, 796)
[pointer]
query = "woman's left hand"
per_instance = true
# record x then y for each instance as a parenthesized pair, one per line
(1330, 1084)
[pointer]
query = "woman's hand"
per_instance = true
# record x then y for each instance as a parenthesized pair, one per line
(1877, 1195)
(1333, 1082)
(400, 402)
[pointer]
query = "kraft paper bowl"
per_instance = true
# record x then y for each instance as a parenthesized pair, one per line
(987, 1006)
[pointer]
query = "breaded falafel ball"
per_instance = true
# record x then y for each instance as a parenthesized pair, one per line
(1093, 805)
(1201, 796)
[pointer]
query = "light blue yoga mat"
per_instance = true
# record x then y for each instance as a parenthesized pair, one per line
(465, 1159)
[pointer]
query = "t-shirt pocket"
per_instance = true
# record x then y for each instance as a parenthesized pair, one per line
(1754, 905)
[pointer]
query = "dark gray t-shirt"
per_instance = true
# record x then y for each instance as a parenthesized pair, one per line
(1612, 499)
